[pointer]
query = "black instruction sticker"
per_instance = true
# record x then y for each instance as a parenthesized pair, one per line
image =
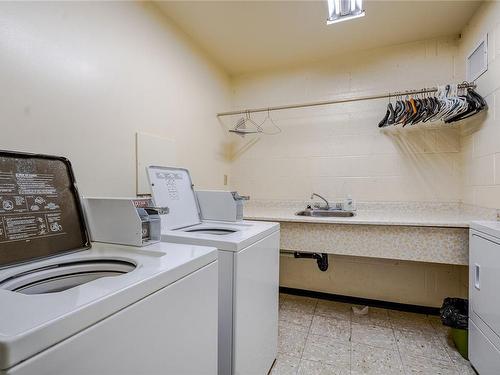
(40, 212)
(30, 205)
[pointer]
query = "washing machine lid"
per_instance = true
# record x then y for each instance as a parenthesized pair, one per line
(40, 209)
(172, 187)
(242, 234)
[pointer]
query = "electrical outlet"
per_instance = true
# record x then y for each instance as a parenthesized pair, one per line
(498, 215)
(225, 180)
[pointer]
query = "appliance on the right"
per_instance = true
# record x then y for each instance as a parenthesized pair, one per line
(248, 258)
(484, 303)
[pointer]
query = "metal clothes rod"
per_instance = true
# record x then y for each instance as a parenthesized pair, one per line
(337, 101)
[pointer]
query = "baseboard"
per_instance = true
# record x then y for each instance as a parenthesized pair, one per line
(362, 301)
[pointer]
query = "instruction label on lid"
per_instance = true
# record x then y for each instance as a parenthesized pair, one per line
(171, 183)
(29, 206)
(39, 210)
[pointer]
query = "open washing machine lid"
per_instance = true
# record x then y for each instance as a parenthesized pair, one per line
(40, 210)
(172, 187)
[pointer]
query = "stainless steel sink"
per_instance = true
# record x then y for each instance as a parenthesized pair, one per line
(325, 213)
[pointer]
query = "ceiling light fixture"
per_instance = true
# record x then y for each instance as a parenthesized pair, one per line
(343, 10)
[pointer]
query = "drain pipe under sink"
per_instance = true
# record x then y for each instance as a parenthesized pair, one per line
(321, 258)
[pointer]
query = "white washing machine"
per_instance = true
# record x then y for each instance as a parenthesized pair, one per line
(67, 307)
(484, 304)
(248, 272)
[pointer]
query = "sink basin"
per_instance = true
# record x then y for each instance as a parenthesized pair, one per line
(325, 213)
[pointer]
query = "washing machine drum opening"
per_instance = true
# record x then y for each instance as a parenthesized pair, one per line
(216, 231)
(59, 277)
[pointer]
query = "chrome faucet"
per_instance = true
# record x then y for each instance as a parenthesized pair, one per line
(327, 205)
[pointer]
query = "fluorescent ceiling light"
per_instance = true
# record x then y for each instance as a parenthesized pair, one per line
(343, 10)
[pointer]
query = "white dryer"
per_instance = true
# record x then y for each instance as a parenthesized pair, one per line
(248, 272)
(484, 304)
(69, 307)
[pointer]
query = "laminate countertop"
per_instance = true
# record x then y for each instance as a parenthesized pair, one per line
(454, 215)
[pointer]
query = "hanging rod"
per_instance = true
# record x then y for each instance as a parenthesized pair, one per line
(337, 101)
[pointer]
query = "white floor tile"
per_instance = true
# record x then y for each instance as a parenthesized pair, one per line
(291, 339)
(423, 366)
(375, 316)
(420, 344)
(285, 365)
(334, 309)
(367, 360)
(320, 368)
(336, 328)
(381, 337)
(300, 304)
(296, 317)
(327, 350)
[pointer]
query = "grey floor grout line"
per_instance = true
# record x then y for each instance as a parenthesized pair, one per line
(309, 330)
(307, 336)
(397, 347)
(350, 344)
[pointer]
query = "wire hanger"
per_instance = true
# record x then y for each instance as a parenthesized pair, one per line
(242, 129)
(269, 118)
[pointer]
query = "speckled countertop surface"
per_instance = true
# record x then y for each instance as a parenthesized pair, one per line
(431, 214)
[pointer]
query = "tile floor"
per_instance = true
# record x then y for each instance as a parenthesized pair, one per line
(318, 337)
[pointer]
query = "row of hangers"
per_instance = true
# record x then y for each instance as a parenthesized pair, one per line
(448, 104)
(246, 125)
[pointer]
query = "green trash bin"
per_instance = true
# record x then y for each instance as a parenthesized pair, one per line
(461, 340)
(454, 314)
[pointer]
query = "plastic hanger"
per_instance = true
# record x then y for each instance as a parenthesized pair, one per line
(449, 103)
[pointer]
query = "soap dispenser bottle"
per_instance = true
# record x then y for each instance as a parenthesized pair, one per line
(349, 204)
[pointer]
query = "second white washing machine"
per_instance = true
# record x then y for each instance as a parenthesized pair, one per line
(248, 257)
